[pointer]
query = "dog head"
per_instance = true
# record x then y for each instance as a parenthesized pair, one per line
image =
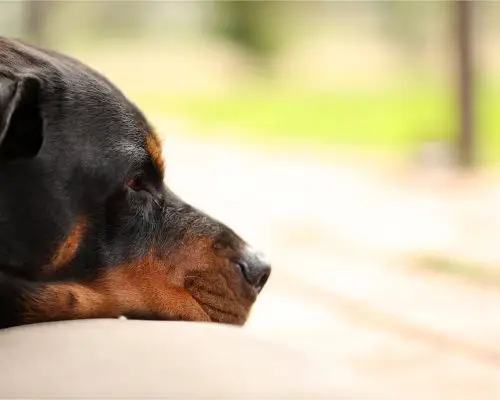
(84, 200)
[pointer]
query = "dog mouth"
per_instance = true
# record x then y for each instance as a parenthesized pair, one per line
(219, 311)
(226, 307)
(225, 316)
(222, 299)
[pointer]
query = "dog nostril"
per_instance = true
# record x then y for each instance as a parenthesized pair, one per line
(255, 274)
(243, 266)
(263, 279)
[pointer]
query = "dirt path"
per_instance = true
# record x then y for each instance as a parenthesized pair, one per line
(338, 237)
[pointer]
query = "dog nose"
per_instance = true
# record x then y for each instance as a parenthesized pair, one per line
(255, 268)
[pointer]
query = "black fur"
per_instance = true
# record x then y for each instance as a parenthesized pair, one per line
(69, 143)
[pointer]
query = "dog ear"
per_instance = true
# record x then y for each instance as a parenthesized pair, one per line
(21, 123)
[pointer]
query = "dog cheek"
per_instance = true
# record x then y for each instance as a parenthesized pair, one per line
(221, 294)
(67, 249)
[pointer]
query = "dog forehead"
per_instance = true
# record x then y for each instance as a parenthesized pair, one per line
(84, 110)
(130, 149)
(142, 149)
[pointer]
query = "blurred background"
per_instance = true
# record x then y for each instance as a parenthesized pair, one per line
(357, 143)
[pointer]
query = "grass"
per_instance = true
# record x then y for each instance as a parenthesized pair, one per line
(394, 120)
(472, 272)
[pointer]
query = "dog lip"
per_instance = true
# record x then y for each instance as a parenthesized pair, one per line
(237, 318)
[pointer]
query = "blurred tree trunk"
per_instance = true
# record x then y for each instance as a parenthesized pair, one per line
(36, 20)
(253, 25)
(466, 139)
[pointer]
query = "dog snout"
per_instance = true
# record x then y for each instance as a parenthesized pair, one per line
(255, 268)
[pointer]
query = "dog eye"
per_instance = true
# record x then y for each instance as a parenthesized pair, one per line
(136, 184)
(132, 184)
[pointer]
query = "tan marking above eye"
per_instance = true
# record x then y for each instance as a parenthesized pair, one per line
(155, 150)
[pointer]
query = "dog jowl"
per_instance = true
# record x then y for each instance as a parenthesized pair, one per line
(88, 228)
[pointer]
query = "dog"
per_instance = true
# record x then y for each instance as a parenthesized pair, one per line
(88, 228)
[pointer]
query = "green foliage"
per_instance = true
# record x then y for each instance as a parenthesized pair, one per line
(472, 272)
(393, 120)
(250, 24)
